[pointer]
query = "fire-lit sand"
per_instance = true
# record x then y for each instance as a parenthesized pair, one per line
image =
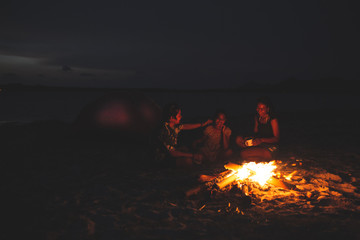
(285, 188)
(57, 185)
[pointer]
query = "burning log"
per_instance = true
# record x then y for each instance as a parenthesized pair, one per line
(232, 166)
(205, 178)
(208, 178)
(227, 180)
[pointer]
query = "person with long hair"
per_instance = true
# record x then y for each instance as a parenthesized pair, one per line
(168, 152)
(263, 145)
(215, 141)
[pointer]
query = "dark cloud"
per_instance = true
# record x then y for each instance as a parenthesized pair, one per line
(66, 68)
(202, 43)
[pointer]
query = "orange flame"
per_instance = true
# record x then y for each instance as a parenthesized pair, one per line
(257, 172)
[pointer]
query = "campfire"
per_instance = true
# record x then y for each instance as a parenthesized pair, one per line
(276, 187)
(259, 173)
(251, 174)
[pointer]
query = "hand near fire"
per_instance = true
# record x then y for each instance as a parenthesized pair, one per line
(256, 141)
(241, 141)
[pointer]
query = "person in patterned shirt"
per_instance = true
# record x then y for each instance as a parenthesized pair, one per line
(214, 144)
(168, 150)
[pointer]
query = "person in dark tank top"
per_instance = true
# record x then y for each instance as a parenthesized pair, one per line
(264, 144)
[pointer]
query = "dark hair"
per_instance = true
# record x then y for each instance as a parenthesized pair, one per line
(266, 100)
(218, 112)
(170, 110)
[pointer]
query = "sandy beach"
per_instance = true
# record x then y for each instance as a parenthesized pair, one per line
(59, 185)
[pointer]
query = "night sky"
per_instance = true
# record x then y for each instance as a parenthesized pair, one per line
(199, 44)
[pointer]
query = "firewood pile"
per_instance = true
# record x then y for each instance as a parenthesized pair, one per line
(293, 189)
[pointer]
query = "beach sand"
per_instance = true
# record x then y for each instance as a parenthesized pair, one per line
(58, 185)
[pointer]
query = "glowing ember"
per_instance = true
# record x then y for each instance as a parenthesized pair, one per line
(288, 177)
(257, 172)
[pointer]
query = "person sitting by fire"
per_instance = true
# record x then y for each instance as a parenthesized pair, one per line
(214, 143)
(168, 151)
(264, 144)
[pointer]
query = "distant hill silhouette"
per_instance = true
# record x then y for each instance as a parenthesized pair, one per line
(287, 86)
(324, 85)
(294, 85)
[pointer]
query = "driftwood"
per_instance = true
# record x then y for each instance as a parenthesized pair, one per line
(205, 178)
(193, 191)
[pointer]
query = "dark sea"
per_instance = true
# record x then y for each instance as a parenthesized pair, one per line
(28, 106)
